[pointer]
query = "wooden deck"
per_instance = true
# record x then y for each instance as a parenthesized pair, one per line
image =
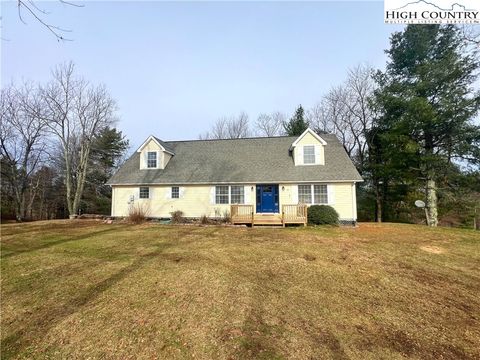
(291, 214)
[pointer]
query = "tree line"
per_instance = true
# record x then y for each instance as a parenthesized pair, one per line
(411, 130)
(58, 147)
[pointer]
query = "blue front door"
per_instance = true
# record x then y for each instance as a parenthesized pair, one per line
(267, 198)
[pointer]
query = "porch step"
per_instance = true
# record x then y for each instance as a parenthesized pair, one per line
(260, 219)
(291, 214)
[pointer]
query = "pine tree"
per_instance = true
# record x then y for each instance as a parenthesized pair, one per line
(108, 149)
(297, 124)
(427, 105)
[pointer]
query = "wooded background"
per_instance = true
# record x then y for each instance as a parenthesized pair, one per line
(411, 130)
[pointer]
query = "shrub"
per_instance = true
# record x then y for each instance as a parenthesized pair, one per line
(138, 213)
(177, 217)
(226, 217)
(322, 215)
(204, 220)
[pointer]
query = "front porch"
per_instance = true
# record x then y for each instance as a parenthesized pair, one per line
(291, 214)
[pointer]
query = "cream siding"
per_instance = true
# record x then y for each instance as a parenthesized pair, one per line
(166, 158)
(309, 139)
(195, 201)
(199, 200)
(162, 156)
(341, 196)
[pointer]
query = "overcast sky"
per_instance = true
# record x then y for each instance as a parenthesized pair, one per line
(174, 68)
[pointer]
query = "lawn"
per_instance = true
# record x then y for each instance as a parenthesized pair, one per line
(84, 289)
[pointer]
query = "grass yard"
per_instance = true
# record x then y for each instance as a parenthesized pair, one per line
(83, 289)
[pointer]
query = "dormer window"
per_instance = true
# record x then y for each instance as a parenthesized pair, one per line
(308, 149)
(152, 159)
(309, 154)
(154, 154)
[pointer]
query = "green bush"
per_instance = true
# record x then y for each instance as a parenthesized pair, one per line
(322, 215)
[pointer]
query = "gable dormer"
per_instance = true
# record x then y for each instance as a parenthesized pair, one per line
(308, 149)
(154, 154)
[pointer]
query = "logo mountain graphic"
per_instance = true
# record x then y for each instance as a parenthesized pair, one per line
(434, 5)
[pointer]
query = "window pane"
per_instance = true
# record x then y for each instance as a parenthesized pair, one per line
(144, 193)
(237, 195)
(221, 194)
(152, 159)
(305, 194)
(175, 192)
(309, 154)
(320, 194)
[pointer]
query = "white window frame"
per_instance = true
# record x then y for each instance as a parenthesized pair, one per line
(312, 194)
(140, 192)
(217, 195)
(241, 194)
(320, 194)
(175, 194)
(310, 156)
(300, 195)
(148, 160)
(230, 194)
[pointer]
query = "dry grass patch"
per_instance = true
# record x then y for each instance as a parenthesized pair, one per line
(76, 289)
(432, 249)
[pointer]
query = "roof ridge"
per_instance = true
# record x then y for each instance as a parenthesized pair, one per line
(245, 138)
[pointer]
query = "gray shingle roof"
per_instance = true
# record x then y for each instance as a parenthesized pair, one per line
(165, 145)
(253, 160)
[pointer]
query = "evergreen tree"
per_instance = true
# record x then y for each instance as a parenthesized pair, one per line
(297, 124)
(108, 149)
(427, 105)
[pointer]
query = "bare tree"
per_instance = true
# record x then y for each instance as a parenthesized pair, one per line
(238, 127)
(233, 127)
(218, 130)
(342, 123)
(270, 124)
(30, 7)
(318, 118)
(471, 34)
(77, 112)
(345, 111)
(22, 135)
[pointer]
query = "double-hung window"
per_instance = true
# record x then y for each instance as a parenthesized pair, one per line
(151, 159)
(309, 154)
(319, 192)
(175, 192)
(144, 192)
(305, 194)
(221, 194)
(237, 195)
(225, 194)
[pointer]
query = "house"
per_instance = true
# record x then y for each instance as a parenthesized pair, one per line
(214, 177)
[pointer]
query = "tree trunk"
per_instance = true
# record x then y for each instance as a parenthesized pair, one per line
(431, 195)
(68, 182)
(84, 155)
(378, 202)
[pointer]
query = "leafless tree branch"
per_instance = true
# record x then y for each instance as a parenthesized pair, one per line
(38, 14)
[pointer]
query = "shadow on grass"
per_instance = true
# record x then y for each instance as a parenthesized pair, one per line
(42, 322)
(47, 244)
(258, 337)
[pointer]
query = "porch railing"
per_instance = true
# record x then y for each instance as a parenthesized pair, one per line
(294, 214)
(242, 214)
(291, 214)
